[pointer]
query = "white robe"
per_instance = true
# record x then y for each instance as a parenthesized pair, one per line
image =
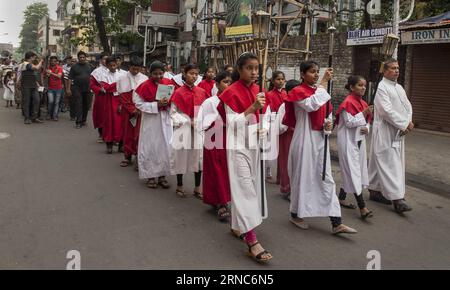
(154, 148)
(187, 147)
(310, 196)
(129, 82)
(244, 173)
(392, 114)
(352, 159)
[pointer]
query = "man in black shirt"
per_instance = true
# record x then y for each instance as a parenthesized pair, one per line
(80, 74)
(29, 87)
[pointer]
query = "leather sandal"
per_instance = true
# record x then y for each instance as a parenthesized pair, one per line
(151, 183)
(163, 183)
(259, 257)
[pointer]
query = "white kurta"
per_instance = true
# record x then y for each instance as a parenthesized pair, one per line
(154, 148)
(352, 159)
(310, 196)
(392, 114)
(244, 172)
(187, 147)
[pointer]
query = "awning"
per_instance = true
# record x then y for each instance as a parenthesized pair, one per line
(430, 22)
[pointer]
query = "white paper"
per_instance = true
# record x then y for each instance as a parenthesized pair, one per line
(164, 92)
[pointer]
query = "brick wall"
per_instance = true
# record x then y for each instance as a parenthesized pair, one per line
(342, 59)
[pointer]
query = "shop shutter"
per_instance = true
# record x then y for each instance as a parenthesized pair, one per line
(430, 86)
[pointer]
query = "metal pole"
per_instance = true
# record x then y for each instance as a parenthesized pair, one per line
(396, 21)
(145, 42)
(331, 30)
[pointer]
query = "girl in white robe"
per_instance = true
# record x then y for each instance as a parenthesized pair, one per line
(154, 148)
(240, 103)
(353, 117)
(187, 147)
(306, 111)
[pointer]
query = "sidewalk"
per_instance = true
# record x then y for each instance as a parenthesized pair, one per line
(427, 160)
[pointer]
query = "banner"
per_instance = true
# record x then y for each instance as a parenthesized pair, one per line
(239, 17)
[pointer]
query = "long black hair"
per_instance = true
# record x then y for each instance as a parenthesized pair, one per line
(8, 74)
(352, 81)
(242, 60)
(291, 84)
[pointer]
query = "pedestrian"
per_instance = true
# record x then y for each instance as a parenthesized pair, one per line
(155, 135)
(68, 103)
(187, 150)
(78, 89)
(306, 111)
(208, 81)
(284, 143)
(112, 122)
(353, 118)
(100, 95)
(240, 104)
(392, 121)
(29, 87)
(55, 79)
(216, 184)
(129, 113)
(274, 99)
(8, 85)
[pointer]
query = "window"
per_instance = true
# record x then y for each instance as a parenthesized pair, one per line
(56, 32)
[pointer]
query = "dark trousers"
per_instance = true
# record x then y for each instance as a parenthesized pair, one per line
(30, 103)
(197, 176)
(82, 101)
(72, 107)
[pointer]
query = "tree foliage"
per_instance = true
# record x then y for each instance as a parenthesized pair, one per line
(106, 21)
(28, 35)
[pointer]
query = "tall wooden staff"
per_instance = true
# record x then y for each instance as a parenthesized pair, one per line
(261, 23)
(331, 30)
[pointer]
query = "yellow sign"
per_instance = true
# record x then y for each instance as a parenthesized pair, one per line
(239, 30)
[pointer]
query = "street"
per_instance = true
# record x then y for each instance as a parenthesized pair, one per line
(59, 191)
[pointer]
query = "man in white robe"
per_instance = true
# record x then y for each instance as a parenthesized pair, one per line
(392, 121)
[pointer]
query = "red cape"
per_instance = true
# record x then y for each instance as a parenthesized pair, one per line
(353, 104)
(207, 86)
(275, 98)
(147, 90)
(300, 93)
(186, 99)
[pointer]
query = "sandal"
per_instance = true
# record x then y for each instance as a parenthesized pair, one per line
(366, 215)
(163, 182)
(259, 257)
(347, 205)
(125, 163)
(181, 193)
(198, 195)
(151, 183)
(237, 234)
(223, 214)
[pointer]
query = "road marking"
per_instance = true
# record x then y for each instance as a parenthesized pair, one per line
(4, 135)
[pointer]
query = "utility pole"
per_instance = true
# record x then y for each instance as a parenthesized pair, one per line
(396, 21)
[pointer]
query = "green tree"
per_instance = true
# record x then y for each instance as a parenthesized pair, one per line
(102, 19)
(28, 35)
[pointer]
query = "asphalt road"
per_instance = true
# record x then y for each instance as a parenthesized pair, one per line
(59, 191)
